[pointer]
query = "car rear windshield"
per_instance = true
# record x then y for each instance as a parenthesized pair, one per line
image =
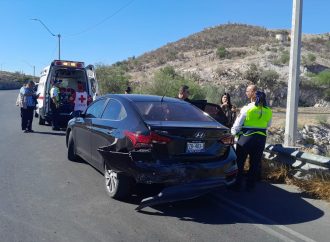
(166, 111)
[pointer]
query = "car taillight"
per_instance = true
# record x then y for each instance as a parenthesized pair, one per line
(227, 139)
(89, 99)
(146, 141)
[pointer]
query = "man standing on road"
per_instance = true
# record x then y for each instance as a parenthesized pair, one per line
(55, 104)
(250, 127)
(27, 103)
(184, 93)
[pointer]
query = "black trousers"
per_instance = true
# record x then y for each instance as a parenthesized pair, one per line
(253, 146)
(55, 115)
(27, 118)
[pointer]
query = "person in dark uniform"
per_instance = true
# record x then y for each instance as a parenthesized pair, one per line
(184, 93)
(55, 104)
(250, 127)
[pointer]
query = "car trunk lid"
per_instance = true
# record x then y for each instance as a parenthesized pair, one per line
(193, 141)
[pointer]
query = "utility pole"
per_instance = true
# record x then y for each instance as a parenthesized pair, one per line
(290, 135)
(59, 46)
(59, 36)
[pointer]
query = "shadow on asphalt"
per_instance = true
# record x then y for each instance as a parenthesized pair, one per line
(49, 133)
(268, 204)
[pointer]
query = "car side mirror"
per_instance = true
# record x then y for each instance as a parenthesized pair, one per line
(77, 114)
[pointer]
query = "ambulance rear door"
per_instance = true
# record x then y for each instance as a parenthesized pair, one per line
(42, 90)
(92, 81)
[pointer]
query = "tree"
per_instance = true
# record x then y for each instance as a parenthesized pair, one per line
(167, 81)
(113, 79)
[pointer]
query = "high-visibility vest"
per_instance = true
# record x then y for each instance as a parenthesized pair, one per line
(80, 102)
(256, 121)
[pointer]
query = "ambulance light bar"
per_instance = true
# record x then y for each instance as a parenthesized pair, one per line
(69, 64)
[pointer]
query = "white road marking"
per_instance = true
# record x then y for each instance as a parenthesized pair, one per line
(265, 228)
(263, 218)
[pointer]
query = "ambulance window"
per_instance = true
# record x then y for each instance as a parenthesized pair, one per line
(96, 109)
(114, 111)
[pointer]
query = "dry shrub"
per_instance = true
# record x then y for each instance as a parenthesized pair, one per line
(275, 172)
(317, 185)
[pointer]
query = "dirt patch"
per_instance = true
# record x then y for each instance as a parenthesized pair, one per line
(306, 115)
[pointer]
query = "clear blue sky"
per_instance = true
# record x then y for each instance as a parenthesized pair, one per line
(106, 31)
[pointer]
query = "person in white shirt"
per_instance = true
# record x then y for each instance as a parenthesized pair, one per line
(55, 104)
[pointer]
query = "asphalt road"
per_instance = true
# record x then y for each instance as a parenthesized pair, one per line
(45, 197)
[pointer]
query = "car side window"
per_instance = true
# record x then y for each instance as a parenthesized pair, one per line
(114, 111)
(95, 110)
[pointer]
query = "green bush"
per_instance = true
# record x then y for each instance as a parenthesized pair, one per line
(285, 57)
(323, 78)
(166, 82)
(112, 79)
(308, 60)
(222, 53)
(268, 78)
(252, 73)
(213, 93)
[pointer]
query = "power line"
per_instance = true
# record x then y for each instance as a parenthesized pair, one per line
(102, 21)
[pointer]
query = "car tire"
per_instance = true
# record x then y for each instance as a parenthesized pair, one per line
(71, 148)
(41, 120)
(117, 185)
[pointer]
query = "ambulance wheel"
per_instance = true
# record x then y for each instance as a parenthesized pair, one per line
(117, 185)
(41, 120)
(71, 149)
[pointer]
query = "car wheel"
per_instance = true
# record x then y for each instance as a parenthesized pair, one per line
(41, 120)
(117, 185)
(71, 148)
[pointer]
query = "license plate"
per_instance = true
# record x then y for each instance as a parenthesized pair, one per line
(193, 147)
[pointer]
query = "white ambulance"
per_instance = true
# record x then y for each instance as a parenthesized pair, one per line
(77, 84)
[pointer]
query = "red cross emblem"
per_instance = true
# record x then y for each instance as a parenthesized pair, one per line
(81, 99)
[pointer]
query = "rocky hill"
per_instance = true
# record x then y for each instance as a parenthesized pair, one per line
(231, 56)
(12, 80)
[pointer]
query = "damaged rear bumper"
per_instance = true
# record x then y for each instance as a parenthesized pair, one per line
(183, 180)
(182, 192)
(141, 166)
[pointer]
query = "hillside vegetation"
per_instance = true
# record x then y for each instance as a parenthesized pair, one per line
(226, 58)
(12, 80)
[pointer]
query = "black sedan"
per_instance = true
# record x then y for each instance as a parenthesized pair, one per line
(153, 140)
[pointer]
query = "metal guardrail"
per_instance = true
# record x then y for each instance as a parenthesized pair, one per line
(296, 158)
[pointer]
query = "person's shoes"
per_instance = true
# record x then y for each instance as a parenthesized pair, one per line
(31, 130)
(26, 131)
